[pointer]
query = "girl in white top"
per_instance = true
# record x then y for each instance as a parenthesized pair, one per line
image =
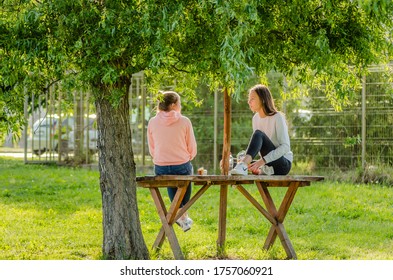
(270, 137)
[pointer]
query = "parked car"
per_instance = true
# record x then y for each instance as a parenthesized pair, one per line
(42, 137)
(45, 135)
(91, 136)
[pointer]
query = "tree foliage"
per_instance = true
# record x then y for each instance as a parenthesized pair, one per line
(324, 44)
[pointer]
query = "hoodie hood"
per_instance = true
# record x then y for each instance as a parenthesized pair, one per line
(168, 118)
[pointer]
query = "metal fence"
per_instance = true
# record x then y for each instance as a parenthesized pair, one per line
(360, 135)
(59, 129)
(322, 138)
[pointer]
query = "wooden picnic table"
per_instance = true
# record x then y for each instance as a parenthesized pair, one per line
(273, 214)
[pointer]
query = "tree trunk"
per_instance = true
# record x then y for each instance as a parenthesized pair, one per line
(123, 237)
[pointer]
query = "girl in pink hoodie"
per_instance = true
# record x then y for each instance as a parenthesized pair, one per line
(172, 145)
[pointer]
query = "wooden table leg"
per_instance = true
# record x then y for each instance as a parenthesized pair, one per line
(279, 215)
(259, 207)
(168, 219)
(222, 216)
(192, 200)
(161, 235)
(157, 198)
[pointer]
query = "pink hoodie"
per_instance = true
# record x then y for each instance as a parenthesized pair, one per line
(171, 139)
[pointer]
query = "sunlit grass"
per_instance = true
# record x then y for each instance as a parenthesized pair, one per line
(50, 212)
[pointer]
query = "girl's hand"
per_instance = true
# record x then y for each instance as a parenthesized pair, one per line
(254, 167)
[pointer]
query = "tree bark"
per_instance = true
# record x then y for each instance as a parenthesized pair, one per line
(123, 237)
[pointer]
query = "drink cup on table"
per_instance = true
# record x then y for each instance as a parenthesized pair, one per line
(202, 171)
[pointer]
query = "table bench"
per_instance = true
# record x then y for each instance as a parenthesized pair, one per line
(273, 214)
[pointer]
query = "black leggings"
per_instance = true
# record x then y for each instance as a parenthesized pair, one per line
(260, 143)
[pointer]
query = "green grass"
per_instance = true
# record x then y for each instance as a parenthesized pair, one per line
(54, 213)
(48, 212)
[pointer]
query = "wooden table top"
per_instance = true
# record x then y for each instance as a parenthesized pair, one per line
(274, 180)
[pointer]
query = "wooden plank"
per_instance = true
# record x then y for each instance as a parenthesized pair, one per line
(226, 141)
(177, 184)
(161, 235)
(286, 243)
(226, 182)
(222, 216)
(287, 201)
(250, 198)
(160, 206)
(267, 199)
(162, 184)
(269, 203)
(172, 212)
(279, 216)
(227, 179)
(167, 228)
(270, 238)
(192, 201)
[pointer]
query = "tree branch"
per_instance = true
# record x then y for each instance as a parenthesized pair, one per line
(180, 70)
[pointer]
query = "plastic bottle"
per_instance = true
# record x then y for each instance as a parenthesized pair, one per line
(230, 162)
(240, 155)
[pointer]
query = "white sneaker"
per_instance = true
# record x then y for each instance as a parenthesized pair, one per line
(189, 222)
(185, 223)
(240, 169)
(266, 170)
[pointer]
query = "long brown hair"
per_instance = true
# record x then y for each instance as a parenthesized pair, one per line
(266, 99)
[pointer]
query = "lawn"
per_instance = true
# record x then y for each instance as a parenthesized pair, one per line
(54, 213)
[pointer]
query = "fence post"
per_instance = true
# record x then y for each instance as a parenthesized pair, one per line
(215, 137)
(25, 132)
(364, 122)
